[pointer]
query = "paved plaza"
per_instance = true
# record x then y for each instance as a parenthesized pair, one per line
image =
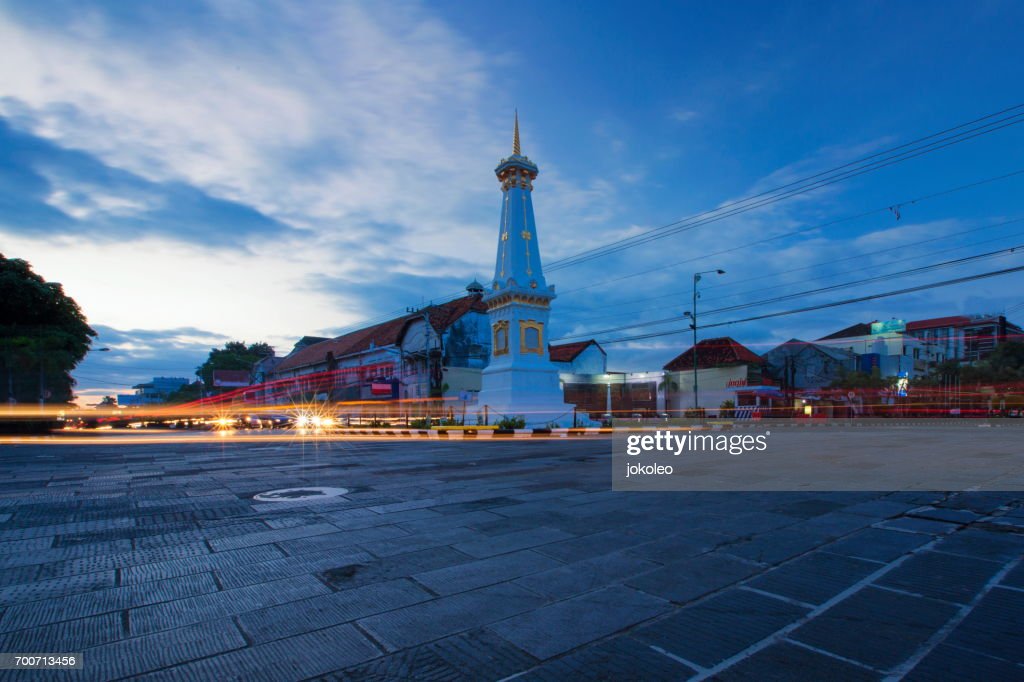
(488, 560)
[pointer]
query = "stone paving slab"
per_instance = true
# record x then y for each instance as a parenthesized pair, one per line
(994, 627)
(623, 658)
(130, 657)
(554, 629)
(942, 576)
(102, 601)
(708, 633)
(684, 581)
(315, 613)
(57, 587)
(876, 627)
(786, 661)
(448, 615)
(465, 657)
(490, 560)
(473, 574)
(172, 614)
(877, 544)
(814, 578)
(576, 578)
(295, 658)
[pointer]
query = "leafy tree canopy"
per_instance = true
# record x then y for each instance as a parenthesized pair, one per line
(43, 334)
(234, 355)
(1005, 365)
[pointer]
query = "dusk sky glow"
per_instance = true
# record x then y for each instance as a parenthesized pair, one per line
(199, 172)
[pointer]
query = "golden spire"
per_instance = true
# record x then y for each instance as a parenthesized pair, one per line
(515, 137)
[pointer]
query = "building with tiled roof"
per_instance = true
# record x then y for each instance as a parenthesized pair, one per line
(579, 357)
(721, 352)
(724, 367)
(434, 352)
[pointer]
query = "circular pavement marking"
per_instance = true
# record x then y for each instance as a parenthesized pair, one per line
(299, 494)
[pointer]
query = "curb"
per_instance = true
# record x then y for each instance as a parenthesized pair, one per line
(463, 433)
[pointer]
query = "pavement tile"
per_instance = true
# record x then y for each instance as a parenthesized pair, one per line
(445, 616)
(441, 521)
(583, 576)
(347, 573)
(687, 580)
(877, 544)
(775, 546)
(814, 578)
(510, 542)
(139, 655)
(676, 546)
(835, 524)
(993, 627)
(422, 540)
(806, 509)
(345, 538)
(199, 564)
(268, 536)
(880, 508)
(102, 601)
(947, 662)
(276, 569)
(294, 658)
(876, 627)
(622, 658)
(915, 525)
(1015, 578)
(941, 576)
(720, 627)
(572, 548)
(468, 656)
(473, 574)
(66, 636)
(983, 543)
(173, 614)
(315, 613)
(57, 587)
(945, 514)
(783, 662)
(565, 625)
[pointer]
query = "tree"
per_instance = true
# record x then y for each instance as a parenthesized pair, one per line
(186, 394)
(234, 355)
(43, 335)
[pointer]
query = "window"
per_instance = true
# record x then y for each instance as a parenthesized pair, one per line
(531, 337)
(501, 338)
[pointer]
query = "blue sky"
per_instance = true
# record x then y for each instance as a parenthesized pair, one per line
(196, 172)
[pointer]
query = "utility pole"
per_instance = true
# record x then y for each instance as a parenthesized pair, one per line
(692, 314)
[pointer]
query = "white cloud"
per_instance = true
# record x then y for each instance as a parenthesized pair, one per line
(683, 115)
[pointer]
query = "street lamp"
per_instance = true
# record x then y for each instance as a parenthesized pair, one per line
(693, 325)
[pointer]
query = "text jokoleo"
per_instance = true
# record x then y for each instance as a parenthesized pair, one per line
(648, 470)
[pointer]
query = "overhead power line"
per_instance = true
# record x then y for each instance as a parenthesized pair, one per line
(811, 292)
(877, 161)
(793, 233)
(823, 306)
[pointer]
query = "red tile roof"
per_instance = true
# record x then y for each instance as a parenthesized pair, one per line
(721, 352)
(567, 352)
(441, 316)
(951, 321)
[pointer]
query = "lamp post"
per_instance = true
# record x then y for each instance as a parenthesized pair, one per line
(693, 325)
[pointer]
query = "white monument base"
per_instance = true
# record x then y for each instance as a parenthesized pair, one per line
(531, 393)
